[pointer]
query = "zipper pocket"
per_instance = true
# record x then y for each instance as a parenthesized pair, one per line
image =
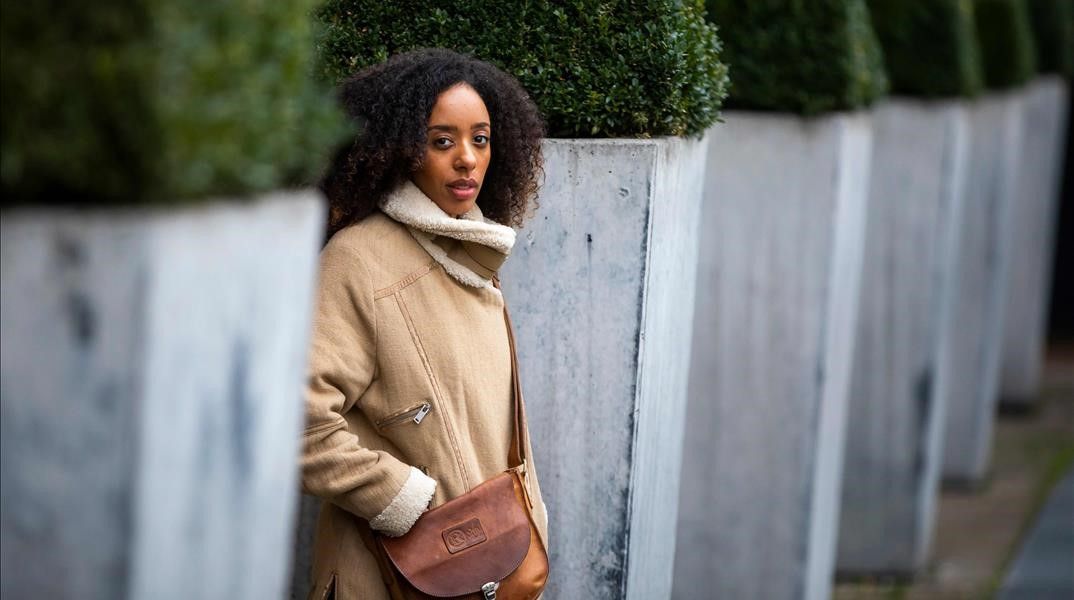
(415, 414)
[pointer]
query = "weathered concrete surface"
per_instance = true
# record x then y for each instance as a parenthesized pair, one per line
(150, 378)
(971, 340)
(1034, 215)
(778, 285)
(601, 288)
(894, 438)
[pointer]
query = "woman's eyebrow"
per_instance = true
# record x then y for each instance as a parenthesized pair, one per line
(453, 129)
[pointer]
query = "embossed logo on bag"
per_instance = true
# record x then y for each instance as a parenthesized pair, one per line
(461, 537)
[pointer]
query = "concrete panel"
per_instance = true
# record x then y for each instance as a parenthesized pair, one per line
(778, 285)
(894, 437)
(601, 288)
(1034, 219)
(69, 405)
(971, 339)
(151, 375)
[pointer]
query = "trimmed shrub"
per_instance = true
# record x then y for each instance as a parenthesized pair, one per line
(594, 68)
(1053, 29)
(930, 46)
(804, 57)
(159, 100)
(1007, 46)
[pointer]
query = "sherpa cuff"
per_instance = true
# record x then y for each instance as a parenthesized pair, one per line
(407, 505)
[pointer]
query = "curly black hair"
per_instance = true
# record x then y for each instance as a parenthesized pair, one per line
(391, 103)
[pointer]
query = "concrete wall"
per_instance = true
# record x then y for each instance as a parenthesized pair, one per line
(778, 284)
(601, 289)
(151, 365)
(894, 438)
(1034, 218)
(971, 340)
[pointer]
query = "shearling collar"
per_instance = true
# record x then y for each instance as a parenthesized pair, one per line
(471, 248)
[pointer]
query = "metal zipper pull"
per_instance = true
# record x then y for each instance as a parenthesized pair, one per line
(415, 414)
(424, 410)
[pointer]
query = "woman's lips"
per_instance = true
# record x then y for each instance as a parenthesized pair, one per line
(463, 190)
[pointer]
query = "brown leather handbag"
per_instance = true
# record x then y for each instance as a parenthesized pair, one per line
(481, 545)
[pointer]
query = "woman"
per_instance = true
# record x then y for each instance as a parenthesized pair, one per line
(409, 400)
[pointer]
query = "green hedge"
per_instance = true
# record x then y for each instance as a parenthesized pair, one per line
(159, 100)
(930, 46)
(594, 68)
(798, 56)
(1053, 30)
(1007, 46)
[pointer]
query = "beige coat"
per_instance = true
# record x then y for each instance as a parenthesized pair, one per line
(397, 340)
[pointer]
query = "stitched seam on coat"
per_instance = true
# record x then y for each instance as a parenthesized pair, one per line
(376, 332)
(404, 282)
(334, 424)
(446, 420)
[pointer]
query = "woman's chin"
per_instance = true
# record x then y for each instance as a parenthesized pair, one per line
(456, 208)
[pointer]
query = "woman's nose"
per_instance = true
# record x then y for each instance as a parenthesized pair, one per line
(466, 159)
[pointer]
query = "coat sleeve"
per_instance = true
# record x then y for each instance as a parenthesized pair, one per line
(373, 485)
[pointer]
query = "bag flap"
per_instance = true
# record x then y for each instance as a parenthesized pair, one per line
(477, 538)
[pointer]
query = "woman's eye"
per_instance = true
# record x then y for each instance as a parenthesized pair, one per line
(481, 139)
(442, 143)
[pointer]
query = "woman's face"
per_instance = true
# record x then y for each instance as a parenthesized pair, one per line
(457, 151)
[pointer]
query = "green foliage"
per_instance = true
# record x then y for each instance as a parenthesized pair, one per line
(930, 46)
(1007, 46)
(805, 57)
(159, 100)
(1053, 29)
(594, 68)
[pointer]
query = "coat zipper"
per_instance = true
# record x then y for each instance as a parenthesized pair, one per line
(415, 414)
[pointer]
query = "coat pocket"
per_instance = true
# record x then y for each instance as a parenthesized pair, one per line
(415, 414)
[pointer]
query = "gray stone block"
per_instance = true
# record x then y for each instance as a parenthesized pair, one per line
(150, 377)
(971, 339)
(1034, 216)
(895, 427)
(779, 277)
(601, 289)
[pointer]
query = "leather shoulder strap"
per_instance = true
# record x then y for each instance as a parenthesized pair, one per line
(519, 437)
